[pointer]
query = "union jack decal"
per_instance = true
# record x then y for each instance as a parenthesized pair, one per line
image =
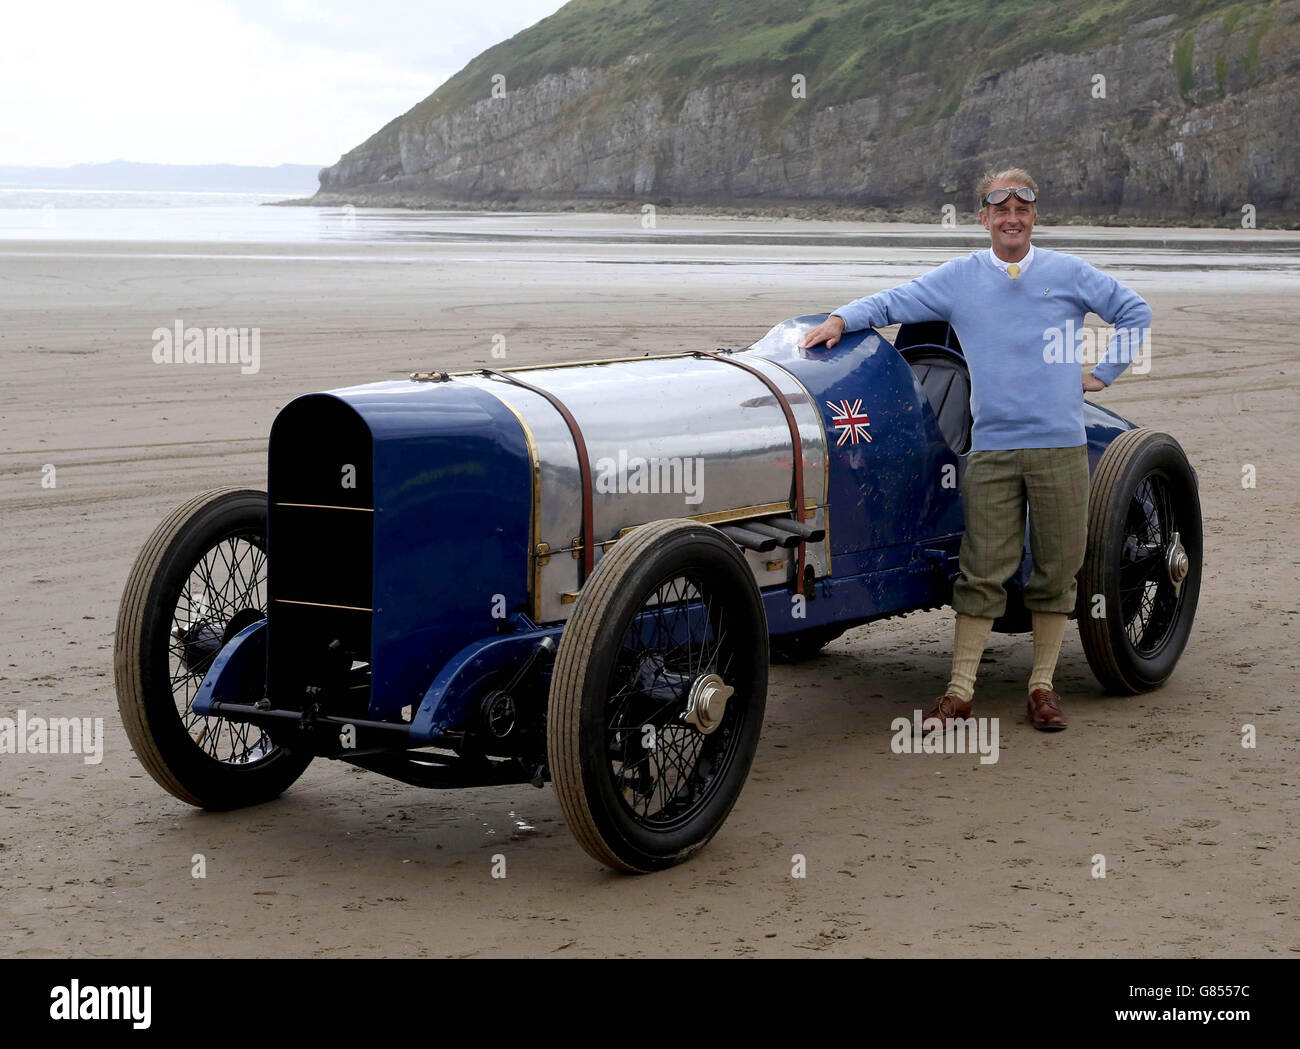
(851, 421)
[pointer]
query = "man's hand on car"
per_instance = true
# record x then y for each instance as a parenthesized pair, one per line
(1091, 384)
(828, 331)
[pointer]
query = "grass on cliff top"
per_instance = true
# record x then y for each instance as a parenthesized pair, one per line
(847, 49)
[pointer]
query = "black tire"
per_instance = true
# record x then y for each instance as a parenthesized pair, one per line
(1143, 492)
(167, 638)
(803, 646)
(629, 807)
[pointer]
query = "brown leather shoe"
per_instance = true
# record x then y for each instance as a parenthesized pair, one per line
(948, 708)
(1045, 710)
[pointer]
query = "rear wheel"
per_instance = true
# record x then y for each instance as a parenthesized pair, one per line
(200, 579)
(657, 695)
(1141, 574)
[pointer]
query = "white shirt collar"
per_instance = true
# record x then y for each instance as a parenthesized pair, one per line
(1024, 263)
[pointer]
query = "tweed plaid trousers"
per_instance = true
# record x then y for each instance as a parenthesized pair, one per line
(994, 492)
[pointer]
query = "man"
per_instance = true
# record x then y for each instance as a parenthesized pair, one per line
(1006, 304)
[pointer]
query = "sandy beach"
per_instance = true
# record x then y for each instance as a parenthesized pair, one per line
(907, 856)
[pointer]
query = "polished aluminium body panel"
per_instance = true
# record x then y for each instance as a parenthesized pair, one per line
(679, 436)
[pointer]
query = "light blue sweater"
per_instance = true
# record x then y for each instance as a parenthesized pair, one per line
(1025, 393)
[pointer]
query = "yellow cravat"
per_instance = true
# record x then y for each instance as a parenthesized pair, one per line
(1013, 271)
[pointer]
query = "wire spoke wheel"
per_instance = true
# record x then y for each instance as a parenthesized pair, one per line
(200, 579)
(657, 695)
(225, 592)
(1149, 596)
(663, 765)
(1141, 574)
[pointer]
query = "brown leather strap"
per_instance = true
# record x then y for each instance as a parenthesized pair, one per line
(796, 445)
(584, 467)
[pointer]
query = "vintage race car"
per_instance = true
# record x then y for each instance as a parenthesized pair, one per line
(577, 573)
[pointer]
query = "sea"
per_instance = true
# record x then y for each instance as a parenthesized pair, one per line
(159, 215)
(211, 221)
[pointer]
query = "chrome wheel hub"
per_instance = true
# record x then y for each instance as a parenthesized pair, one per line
(1176, 563)
(707, 702)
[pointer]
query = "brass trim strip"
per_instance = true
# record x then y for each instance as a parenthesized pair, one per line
(533, 567)
(826, 543)
(325, 506)
(723, 516)
(321, 604)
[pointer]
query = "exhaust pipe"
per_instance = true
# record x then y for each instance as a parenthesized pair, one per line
(743, 537)
(789, 540)
(808, 533)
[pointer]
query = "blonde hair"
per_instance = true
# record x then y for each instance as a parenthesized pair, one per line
(1018, 175)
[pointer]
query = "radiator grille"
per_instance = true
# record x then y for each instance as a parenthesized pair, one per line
(320, 543)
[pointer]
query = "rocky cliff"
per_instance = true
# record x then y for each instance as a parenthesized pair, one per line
(1187, 115)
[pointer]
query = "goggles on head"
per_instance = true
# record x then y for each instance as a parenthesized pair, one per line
(1001, 196)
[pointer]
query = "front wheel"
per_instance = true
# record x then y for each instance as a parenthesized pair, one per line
(200, 579)
(657, 695)
(1141, 574)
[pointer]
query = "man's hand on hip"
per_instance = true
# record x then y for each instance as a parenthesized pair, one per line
(828, 331)
(1091, 384)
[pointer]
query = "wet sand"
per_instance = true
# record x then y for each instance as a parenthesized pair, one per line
(909, 856)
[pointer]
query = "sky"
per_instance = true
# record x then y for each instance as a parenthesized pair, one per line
(228, 81)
